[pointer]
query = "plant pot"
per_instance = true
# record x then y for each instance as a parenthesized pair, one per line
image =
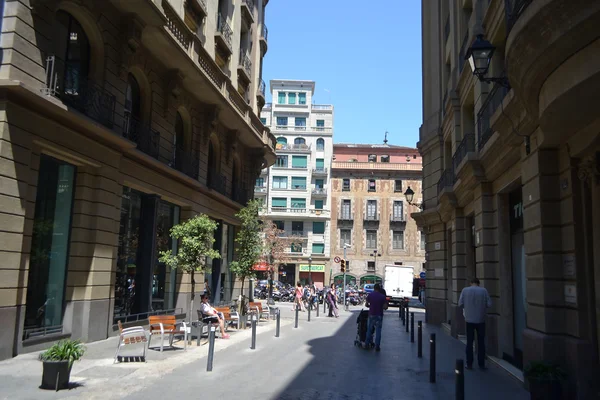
(545, 389)
(56, 375)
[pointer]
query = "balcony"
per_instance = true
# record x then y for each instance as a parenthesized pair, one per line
(198, 7)
(148, 141)
(261, 92)
(398, 217)
(514, 9)
(295, 148)
(245, 66)
(446, 180)
(264, 34)
(295, 211)
(298, 233)
(319, 171)
(298, 187)
(224, 34)
(239, 195)
(466, 146)
(371, 217)
(348, 165)
(345, 215)
(248, 10)
(217, 182)
(322, 107)
(187, 163)
(260, 190)
(488, 108)
(319, 192)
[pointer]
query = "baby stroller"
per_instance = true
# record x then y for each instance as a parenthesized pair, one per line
(362, 323)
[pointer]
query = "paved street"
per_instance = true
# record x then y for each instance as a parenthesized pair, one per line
(315, 361)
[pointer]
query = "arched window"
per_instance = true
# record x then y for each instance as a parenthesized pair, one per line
(72, 55)
(133, 109)
(320, 144)
(281, 140)
(299, 140)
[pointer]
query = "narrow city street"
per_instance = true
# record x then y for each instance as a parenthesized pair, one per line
(315, 361)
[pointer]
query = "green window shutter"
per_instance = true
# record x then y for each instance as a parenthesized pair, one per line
(301, 98)
(319, 183)
(279, 202)
(298, 182)
(291, 98)
(281, 140)
(318, 248)
(298, 161)
(319, 227)
(318, 204)
(298, 203)
(281, 98)
(320, 163)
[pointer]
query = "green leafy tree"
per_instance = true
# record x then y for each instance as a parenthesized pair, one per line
(196, 237)
(249, 244)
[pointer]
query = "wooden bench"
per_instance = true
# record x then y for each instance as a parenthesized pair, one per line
(166, 325)
(230, 317)
(133, 335)
(259, 310)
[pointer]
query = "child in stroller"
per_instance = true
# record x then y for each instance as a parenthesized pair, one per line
(361, 329)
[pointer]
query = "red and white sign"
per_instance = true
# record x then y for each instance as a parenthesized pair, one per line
(337, 259)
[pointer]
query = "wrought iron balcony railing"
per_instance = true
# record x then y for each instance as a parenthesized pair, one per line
(513, 10)
(260, 189)
(148, 141)
(446, 180)
(245, 62)
(239, 195)
(319, 171)
(319, 192)
(224, 29)
(187, 163)
(217, 182)
(467, 145)
(489, 106)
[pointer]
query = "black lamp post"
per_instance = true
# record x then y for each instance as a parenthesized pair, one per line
(376, 254)
(271, 268)
(309, 268)
(410, 196)
(479, 56)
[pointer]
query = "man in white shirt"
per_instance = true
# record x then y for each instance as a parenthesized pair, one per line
(213, 315)
(475, 300)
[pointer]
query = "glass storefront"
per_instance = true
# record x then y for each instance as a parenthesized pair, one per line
(168, 215)
(350, 280)
(370, 279)
(49, 247)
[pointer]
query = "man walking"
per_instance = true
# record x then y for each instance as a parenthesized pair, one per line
(474, 301)
(376, 302)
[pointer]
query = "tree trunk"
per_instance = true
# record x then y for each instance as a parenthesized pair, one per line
(192, 296)
(241, 302)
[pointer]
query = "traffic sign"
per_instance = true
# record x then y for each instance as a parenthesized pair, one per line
(336, 259)
(422, 275)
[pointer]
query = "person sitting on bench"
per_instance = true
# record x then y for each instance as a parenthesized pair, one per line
(212, 316)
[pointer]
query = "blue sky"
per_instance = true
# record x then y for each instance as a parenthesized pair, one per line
(369, 58)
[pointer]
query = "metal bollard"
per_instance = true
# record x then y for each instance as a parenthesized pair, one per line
(412, 327)
(406, 317)
(253, 344)
(317, 308)
(432, 358)
(211, 348)
(420, 339)
(459, 371)
(296, 322)
(309, 307)
(400, 310)
(278, 324)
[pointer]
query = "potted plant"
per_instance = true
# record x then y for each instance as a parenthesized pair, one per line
(545, 380)
(57, 363)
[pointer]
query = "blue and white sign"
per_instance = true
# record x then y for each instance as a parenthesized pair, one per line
(422, 275)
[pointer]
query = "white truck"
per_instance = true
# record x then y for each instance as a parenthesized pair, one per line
(398, 282)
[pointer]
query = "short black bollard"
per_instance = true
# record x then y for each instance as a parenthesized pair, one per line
(211, 348)
(412, 327)
(401, 311)
(317, 309)
(459, 371)
(432, 358)
(406, 317)
(296, 322)
(253, 344)
(420, 339)
(309, 307)
(278, 325)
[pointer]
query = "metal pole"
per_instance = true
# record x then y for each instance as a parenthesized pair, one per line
(344, 283)
(211, 348)
(279, 323)
(420, 339)
(253, 343)
(296, 322)
(309, 307)
(412, 327)
(432, 358)
(406, 317)
(460, 380)
(400, 310)
(317, 303)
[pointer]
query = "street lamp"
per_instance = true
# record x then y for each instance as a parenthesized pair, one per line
(410, 195)
(309, 268)
(479, 56)
(376, 254)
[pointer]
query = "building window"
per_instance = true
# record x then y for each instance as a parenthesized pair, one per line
(385, 159)
(299, 182)
(299, 140)
(162, 296)
(318, 248)
(318, 204)
(299, 162)
(263, 121)
(281, 140)
(320, 164)
(300, 204)
(281, 162)
(296, 248)
(319, 183)
(291, 98)
(372, 187)
(398, 185)
(282, 121)
(301, 98)
(318, 227)
(423, 240)
(398, 211)
(370, 266)
(398, 240)
(371, 209)
(281, 98)
(320, 144)
(280, 225)
(320, 125)
(260, 182)
(279, 202)
(49, 246)
(346, 185)
(297, 228)
(280, 182)
(346, 209)
(371, 239)
(372, 158)
(132, 110)
(345, 237)
(72, 71)
(300, 123)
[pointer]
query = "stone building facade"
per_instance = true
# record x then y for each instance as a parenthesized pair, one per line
(369, 211)
(118, 120)
(512, 177)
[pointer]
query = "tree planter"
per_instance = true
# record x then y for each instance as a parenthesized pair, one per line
(56, 375)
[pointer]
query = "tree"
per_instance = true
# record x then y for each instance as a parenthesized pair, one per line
(249, 244)
(196, 237)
